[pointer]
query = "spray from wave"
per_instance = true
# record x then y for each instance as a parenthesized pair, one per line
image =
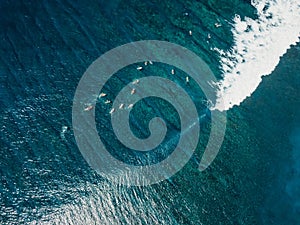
(258, 46)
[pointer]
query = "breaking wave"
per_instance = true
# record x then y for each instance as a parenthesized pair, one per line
(258, 45)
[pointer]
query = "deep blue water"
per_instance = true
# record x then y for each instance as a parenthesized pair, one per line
(46, 46)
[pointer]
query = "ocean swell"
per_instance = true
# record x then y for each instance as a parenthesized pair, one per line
(258, 46)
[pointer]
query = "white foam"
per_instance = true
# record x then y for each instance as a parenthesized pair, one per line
(258, 46)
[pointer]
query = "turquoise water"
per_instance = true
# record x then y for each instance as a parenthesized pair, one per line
(45, 48)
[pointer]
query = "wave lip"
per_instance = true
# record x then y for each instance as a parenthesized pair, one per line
(258, 46)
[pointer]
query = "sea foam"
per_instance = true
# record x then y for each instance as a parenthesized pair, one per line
(258, 46)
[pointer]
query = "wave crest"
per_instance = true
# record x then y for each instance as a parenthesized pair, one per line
(258, 46)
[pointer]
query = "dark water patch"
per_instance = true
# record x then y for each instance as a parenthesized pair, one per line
(274, 117)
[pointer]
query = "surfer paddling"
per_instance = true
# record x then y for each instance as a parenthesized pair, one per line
(88, 108)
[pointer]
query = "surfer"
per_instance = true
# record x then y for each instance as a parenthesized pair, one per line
(187, 79)
(136, 81)
(102, 95)
(112, 111)
(133, 91)
(89, 108)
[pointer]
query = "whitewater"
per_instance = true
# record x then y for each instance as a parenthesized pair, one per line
(258, 45)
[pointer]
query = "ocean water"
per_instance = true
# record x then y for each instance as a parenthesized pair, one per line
(46, 46)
